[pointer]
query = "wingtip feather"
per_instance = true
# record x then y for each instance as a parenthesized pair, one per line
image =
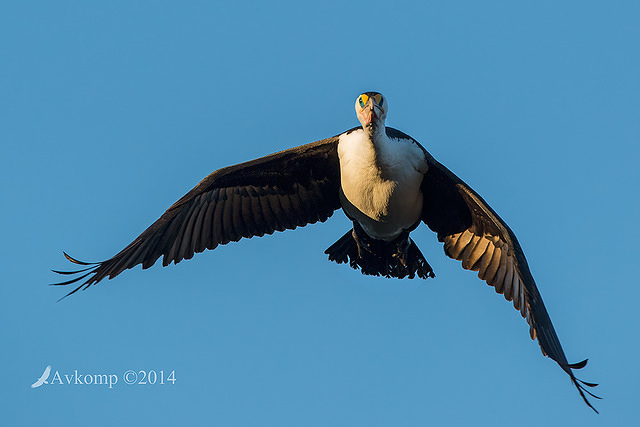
(578, 365)
(75, 261)
(580, 385)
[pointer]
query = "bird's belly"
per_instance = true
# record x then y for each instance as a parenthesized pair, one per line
(383, 207)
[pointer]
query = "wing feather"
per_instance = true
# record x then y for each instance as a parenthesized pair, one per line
(247, 214)
(485, 261)
(228, 229)
(262, 212)
(217, 217)
(492, 270)
(498, 281)
(186, 248)
(475, 256)
(515, 288)
(508, 278)
(282, 222)
(473, 252)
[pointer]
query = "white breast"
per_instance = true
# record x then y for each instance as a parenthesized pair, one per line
(381, 182)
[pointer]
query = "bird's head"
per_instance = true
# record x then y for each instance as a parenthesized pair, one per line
(371, 109)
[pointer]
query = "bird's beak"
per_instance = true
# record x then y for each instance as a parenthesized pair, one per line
(369, 112)
(374, 113)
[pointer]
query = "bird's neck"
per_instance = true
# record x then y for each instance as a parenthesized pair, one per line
(376, 132)
(377, 137)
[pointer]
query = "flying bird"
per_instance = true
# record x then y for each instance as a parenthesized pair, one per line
(385, 182)
(43, 378)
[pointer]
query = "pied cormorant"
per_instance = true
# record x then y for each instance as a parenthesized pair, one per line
(384, 181)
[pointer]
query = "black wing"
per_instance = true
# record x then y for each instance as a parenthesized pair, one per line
(474, 234)
(280, 191)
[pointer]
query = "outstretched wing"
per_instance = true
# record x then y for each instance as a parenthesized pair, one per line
(280, 191)
(474, 234)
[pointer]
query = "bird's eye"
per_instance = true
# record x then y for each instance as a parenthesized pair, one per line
(379, 99)
(363, 100)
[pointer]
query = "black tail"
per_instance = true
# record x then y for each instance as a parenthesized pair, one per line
(398, 258)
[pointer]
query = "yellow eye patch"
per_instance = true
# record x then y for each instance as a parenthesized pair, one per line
(363, 100)
(378, 99)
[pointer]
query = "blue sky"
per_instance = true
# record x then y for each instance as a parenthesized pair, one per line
(111, 112)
